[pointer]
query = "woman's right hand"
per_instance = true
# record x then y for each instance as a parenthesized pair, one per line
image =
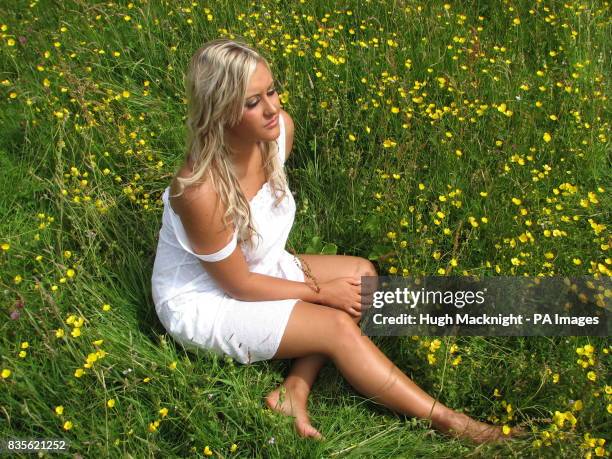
(342, 293)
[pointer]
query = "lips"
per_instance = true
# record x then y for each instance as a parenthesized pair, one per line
(272, 123)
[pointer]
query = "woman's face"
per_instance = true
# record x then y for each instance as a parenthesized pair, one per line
(261, 111)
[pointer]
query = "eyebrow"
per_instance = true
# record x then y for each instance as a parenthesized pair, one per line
(269, 86)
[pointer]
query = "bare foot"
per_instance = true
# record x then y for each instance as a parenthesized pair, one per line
(462, 426)
(292, 402)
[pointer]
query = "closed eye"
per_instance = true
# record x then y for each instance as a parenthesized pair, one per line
(253, 103)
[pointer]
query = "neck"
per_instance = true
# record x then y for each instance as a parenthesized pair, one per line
(246, 157)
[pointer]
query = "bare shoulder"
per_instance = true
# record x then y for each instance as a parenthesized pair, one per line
(194, 197)
(201, 212)
(289, 131)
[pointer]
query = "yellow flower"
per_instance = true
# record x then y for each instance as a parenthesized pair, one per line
(153, 426)
(5, 246)
(163, 412)
(106, 307)
(172, 366)
(78, 372)
(516, 201)
(388, 143)
(207, 451)
(68, 425)
(555, 378)
(17, 279)
(592, 376)
(5, 373)
(76, 332)
(59, 333)
(111, 403)
(578, 405)
(506, 430)
(546, 137)
(233, 448)
(70, 273)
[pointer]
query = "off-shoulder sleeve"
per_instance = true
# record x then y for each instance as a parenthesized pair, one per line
(183, 240)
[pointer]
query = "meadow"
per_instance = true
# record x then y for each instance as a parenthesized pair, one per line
(439, 138)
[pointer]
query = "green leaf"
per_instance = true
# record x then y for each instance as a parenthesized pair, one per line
(377, 251)
(329, 249)
(315, 246)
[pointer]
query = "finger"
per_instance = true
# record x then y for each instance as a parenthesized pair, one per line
(365, 288)
(367, 300)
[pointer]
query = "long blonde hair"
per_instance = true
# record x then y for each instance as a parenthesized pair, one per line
(216, 85)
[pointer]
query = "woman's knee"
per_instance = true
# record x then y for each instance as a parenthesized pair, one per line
(364, 267)
(313, 328)
(346, 332)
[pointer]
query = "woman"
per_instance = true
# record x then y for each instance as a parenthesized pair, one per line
(222, 278)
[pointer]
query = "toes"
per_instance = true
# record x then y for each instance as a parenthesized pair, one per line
(308, 431)
(272, 400)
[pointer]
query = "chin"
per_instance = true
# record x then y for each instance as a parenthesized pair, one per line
(270, 134)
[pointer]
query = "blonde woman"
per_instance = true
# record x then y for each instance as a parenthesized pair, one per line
(222, 278)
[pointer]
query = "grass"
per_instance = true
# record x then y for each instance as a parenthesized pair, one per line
(464, 139)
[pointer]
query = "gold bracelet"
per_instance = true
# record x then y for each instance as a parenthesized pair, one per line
(307, 272)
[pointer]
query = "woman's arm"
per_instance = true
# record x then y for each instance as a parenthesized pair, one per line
(201, 215)
(233, 276)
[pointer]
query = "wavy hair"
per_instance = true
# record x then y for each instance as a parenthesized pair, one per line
(216, 85)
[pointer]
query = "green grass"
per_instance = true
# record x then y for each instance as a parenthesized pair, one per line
(463, 78)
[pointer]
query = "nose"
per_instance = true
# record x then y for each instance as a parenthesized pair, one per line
(270, 107)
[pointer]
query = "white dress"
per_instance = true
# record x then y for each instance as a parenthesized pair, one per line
(199, 314)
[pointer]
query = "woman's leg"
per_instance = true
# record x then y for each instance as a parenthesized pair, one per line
(291, 398)
(316, 329)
